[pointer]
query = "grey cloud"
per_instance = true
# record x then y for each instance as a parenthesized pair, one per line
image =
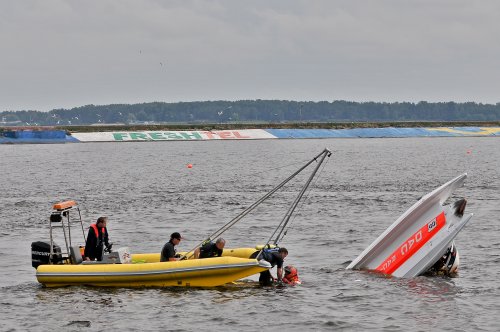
(71, 53)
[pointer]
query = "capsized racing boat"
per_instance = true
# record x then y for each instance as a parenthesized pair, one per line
(422, 239)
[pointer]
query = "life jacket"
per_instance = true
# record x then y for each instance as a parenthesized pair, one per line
(291, 276)
(292, 280)
(96, 230)
(267, 254)
(269, 251)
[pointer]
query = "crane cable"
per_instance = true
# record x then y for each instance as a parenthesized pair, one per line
(232, 222)
(286, 219)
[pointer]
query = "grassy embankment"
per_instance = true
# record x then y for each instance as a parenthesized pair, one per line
(302, 125)
(239, 126)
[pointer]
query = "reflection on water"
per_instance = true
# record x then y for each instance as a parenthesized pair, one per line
(432, 289)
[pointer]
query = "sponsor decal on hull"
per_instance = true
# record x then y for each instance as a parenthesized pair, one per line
(409, 247)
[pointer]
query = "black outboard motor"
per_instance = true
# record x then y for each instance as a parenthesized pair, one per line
(40, 254)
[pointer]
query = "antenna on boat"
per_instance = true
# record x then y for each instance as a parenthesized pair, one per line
(231, 223)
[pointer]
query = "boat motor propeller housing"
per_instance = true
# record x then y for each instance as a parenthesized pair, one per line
(452, 260)
(448, 263)
(40, 254)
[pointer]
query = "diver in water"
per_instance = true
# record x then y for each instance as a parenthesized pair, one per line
(291, 276)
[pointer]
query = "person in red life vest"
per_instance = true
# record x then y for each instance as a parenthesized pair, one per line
(96, 240)
(291, 276)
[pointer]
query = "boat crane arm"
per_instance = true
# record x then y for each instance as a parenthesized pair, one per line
(288, 215)
(232, 222)
(286, 219)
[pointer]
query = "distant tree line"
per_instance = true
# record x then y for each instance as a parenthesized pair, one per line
(254, 111)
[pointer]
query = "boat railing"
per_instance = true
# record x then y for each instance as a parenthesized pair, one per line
(62, 217)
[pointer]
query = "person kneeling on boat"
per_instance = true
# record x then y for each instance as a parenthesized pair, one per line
(291, 276)
(96, 240)
(168, 253)
(274, 256)
(210, 249)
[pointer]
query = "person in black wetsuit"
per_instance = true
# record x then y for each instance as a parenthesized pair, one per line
(210, 249)
(274, 257)
(97, 238)
(168, 252)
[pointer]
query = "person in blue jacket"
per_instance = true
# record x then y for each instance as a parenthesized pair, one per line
(275, 257)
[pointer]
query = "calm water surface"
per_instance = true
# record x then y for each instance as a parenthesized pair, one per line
(147, 192)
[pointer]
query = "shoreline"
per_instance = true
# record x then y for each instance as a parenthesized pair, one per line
(256, 125)
(289, 125)
(145, 134)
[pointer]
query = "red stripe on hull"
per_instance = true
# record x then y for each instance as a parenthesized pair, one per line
(412, 245)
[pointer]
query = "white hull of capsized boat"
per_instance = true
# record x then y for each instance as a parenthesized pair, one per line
(419, 238)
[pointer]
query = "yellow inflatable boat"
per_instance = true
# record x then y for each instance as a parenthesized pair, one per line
(193, 272)
(56, 266)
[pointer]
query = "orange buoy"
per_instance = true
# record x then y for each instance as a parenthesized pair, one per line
(189, 165)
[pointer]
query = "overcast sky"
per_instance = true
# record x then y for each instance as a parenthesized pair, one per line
(63, 54)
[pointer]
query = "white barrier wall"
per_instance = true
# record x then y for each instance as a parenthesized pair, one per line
(246, 134)
(123, 136)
